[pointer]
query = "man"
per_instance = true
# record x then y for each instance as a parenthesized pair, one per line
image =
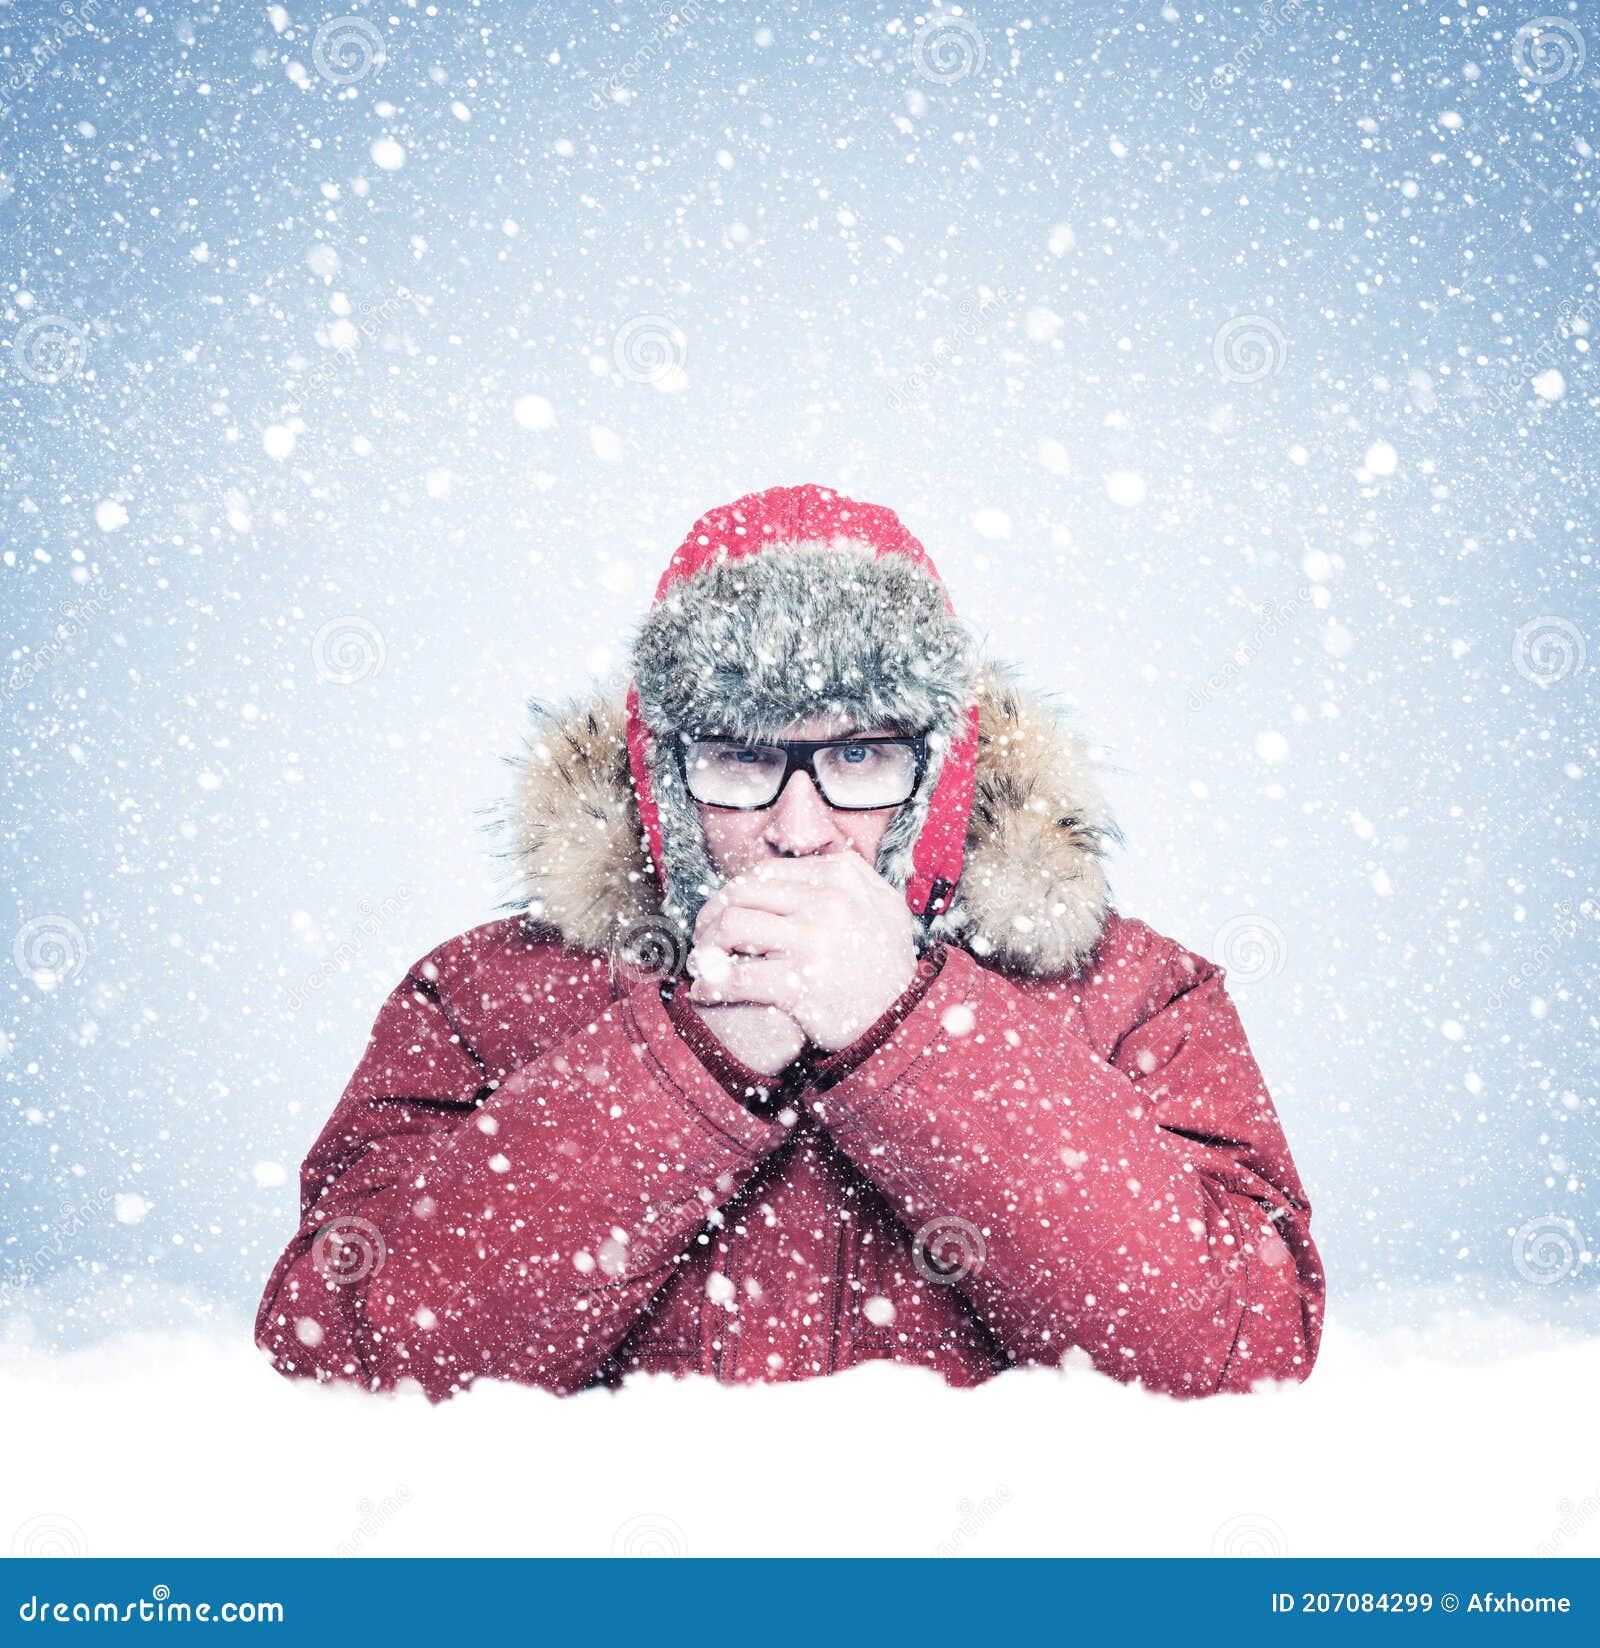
(817, 1042)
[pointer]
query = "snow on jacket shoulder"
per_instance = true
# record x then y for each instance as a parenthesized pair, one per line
(1058, 1138)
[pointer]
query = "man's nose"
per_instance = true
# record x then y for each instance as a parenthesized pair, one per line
(801, 823)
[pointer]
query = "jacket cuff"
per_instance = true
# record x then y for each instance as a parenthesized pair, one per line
(946, 1009)
(749, 1086)
(834, 1067)
(749, 1129)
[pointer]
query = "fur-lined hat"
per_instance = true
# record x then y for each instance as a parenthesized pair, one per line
(790, 603)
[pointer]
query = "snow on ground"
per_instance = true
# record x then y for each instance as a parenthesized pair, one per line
(187, 1444)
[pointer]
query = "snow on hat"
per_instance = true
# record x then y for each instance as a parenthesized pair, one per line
(789, 603)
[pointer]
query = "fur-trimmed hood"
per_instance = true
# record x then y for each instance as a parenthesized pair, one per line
(1032, 897)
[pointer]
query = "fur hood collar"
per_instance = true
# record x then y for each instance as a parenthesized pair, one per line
(1032, 897)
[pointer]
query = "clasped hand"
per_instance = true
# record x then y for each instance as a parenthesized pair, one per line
(812, 949)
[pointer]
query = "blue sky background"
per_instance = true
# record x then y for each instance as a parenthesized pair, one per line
(358, 377)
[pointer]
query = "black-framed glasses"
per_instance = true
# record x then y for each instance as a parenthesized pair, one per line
(854, 775)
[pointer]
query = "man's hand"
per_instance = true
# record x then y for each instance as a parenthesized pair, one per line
(765, 1038)
(826, 939)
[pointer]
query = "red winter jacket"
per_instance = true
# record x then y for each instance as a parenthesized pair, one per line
(544, 1169)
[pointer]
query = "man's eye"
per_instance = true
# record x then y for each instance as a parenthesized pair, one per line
(855, 755)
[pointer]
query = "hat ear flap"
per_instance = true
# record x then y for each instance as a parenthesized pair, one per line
(640, 740)
(677, 840)
(922, 850)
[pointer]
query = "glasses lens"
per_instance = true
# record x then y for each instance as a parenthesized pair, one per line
(732, 775)
(867, 775)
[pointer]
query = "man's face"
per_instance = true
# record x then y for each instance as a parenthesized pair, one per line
(799, 824)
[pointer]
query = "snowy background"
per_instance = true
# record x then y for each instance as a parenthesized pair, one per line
(358, 373)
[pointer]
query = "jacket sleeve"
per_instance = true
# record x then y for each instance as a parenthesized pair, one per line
(459, 1222)
(1142, 1206)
